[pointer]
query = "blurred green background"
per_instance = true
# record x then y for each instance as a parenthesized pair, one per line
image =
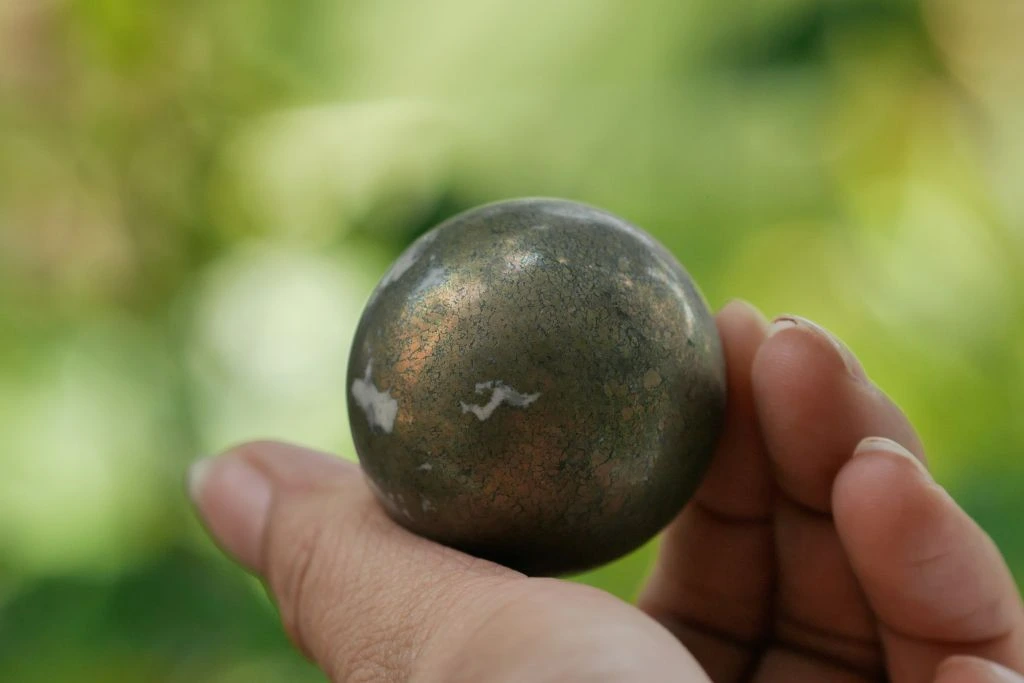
(196, 198)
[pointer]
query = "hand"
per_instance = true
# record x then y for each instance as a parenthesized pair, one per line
(811, 553)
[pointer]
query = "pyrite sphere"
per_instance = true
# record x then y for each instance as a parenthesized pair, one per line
(536, 382)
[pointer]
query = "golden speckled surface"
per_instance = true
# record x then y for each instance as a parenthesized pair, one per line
(536, 382)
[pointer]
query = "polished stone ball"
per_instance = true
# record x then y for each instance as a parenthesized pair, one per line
(536, 382)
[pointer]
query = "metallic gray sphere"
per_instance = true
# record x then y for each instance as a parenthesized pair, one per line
(536, 382)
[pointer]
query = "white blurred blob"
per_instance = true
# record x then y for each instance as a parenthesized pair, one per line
(309, 174)
(938, 270)
(933, 262)
(84, 454)
(270, 345)
(453, 48)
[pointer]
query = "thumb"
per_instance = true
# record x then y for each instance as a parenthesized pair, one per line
(369, 601)
(357, 593)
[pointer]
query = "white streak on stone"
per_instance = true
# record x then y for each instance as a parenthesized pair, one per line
(381, 410)
(435, 276)
(406, 260)
(398, 268)
(425, 467)
(661, 276)
(633, 232)
(664, 278)
(691, 322)
(426, 505)
(500, 393)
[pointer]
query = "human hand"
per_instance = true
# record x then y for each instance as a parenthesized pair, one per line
(810, 553)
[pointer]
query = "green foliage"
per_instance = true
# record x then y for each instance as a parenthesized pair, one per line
(187, 189)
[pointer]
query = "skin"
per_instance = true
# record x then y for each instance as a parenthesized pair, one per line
(817, 549)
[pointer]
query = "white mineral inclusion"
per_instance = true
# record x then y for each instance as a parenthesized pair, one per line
(381, 410)
(500, 393)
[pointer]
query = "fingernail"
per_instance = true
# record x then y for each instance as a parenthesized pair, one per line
(781, 323)
(785, 322)
(875, 444)
(233, 500)
(989, 672)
